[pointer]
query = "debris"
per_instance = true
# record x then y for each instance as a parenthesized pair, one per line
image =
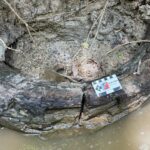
(106, 85)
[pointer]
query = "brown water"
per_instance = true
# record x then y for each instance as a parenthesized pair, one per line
(130, 133)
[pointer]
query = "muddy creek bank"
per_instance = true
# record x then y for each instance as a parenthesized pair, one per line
(46, 86)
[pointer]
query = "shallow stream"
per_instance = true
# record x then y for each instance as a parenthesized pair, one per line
(130, 133)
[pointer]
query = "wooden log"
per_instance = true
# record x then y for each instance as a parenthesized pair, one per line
(29, 104)
(40, 94)
(101, 111)
(34, 106)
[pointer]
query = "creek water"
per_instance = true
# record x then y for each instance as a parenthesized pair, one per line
(130, 133)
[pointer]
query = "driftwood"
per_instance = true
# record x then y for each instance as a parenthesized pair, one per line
(33, 106)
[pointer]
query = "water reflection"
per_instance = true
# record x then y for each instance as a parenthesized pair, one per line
(131, 133)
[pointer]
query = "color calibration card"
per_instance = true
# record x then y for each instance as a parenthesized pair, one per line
(106, 85)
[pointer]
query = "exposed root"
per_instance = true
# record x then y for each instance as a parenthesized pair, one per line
(5, 46)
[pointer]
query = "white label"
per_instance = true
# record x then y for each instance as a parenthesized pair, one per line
(106, 85)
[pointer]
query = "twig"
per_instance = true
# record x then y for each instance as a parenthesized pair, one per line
(64, 76)
(100, 18)
(100, 21)
(92, 28)
(67, 77)
(22, 20)
(5, 46)
(132, 42)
